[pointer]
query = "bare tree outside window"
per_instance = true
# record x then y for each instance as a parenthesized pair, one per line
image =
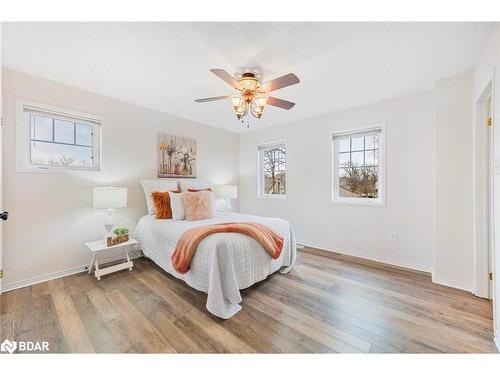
(357, 165)
(273, 169)
(358, 181)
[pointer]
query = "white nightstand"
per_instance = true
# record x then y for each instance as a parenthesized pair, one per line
(98, 246)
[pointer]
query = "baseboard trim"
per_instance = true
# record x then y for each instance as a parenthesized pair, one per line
(396, 262)
(58, 274)
(392, 262)
(42, 278)
(451, 283)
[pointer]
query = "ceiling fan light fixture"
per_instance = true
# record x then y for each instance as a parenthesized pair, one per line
(258, 105)
(239, 105)
(249, 82)
(252, 94)
(241, 111)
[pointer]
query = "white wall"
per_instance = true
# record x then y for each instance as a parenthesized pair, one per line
(358, 230)
(51, 214)
(453, 263)
(488, 64)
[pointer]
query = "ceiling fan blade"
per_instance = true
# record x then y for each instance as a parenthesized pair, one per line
(222, 74)
(278, 83)
(211, 99)
(280, 103)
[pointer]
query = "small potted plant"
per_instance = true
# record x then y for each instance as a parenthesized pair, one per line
(120, 235)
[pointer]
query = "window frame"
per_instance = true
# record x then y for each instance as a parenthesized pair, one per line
(24, 108)
(260, 171)
(335, 197)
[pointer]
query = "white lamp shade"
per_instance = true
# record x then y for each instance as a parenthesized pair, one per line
(228, 192)
(110, 197)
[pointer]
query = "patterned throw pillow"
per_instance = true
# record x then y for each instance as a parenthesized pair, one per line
(199, 205)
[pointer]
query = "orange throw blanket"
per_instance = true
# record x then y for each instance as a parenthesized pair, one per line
(186, 247)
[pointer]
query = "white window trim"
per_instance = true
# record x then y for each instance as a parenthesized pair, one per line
(261, 195)
(335, 198)
(23, 162)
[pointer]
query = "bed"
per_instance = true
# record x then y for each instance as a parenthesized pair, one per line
(224, 263)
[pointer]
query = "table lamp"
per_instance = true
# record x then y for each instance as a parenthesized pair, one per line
(109, 198)
(228, 192)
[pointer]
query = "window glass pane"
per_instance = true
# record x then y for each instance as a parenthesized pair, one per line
(358, 167)
(64, 131)
(357, 143)
(369, 142)
(345, 176)
(84, 134)
(274, 170)
(344, 159)
(42, 128)
(357, 158)
(344, 144)
(370, 158)
(53, 140)
(358, 182)
(50, 154)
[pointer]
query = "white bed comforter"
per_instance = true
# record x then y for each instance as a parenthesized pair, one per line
(224, 263)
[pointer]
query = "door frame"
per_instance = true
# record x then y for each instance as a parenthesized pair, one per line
(484, 169)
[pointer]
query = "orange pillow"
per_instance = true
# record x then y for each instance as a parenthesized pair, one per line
(161, 200)
(193, 190)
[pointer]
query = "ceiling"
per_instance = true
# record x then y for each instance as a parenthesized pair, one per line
(165, 66)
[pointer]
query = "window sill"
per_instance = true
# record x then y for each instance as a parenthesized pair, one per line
(359, 202)
(55, 170)
(277, 197)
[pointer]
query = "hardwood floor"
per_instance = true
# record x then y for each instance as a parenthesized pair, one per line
(329, 303)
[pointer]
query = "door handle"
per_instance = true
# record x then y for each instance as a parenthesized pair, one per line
(4, 215)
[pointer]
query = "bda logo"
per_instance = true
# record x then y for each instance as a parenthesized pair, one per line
(8, 346)
(24, 346)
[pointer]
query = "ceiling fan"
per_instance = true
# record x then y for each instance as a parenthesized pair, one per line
(252, 93)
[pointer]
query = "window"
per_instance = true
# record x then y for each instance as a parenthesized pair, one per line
(56, 139)
(272, 170)
(358, 163)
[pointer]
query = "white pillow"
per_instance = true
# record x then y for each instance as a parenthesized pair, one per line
(177, 206)
(150, 186)
(190, 184)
